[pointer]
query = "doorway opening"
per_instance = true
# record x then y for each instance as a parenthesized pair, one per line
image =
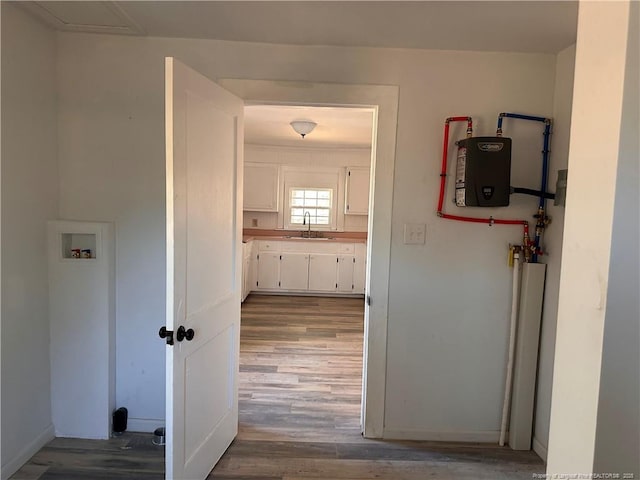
(383, 99)
(306, 221)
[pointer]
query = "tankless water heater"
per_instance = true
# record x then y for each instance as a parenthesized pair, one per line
(483, 172)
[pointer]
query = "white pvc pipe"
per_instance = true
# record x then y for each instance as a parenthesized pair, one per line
(512, 347)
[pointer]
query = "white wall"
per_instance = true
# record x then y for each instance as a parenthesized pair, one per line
(29, 199)
(593, 158)
(307, 157)
(449, 299)
(562, 99)
(617, 446)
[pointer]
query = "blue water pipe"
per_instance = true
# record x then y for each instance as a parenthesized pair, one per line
(545, 167)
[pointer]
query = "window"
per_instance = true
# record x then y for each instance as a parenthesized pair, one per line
(314, 191)
(316, 201)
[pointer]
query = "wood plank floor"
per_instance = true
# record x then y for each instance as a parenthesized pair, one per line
(299, 407)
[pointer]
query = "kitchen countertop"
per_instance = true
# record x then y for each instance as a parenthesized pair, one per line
(287, 238)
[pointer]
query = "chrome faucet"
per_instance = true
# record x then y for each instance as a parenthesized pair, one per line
(304, 222)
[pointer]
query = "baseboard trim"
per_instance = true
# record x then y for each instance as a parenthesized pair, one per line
(294, 293)
(13, 465)
(540, 449)
(146, 425)
(442, 436)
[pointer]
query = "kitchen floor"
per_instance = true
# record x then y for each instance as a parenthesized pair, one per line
(299, 407)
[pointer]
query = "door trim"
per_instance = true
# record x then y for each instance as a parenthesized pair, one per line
(384, 100)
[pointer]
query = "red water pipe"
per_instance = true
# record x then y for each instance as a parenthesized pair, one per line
(443, 181)
(488, 221)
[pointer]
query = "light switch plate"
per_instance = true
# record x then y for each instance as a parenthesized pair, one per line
(415, 233)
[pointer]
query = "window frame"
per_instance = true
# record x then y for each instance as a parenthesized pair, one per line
(331, 209)
(312, 178)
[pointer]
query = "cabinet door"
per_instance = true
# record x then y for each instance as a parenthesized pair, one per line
(345, 273)
(294, 271)
(246, 279)
(268, 270)
(357, 191)
(323, 272)
(261, 185)
(253, 267)
(360, 268)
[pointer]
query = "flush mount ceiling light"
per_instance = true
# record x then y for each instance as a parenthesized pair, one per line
(303, 127)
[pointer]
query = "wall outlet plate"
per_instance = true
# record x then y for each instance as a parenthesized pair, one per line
(415, 233)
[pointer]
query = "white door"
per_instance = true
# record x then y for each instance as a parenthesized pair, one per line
(294, 271)
(345, 273)
(246, 285)
(323, 269)
(268, 270)
(261, 187)
(359, 268)
(204, 141)
(357, 191)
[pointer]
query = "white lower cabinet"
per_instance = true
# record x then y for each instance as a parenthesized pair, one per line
(246, 287)
(294, 271)
(268, 271)
(345, 273)
(308, 266)
(322, 272)
(247, 284)
(359, 268)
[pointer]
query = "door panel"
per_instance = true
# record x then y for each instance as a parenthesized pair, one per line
(207, 405)
(268, 270)
(359, 268)
(204, 158)
(322, 272)
(294, 271)
(357, 191)
(210, 198)
(345, 273)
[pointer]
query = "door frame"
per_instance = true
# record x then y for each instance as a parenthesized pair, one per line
(383, 100)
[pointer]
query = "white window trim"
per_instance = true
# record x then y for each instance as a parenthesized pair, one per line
(331, 208)
(331, 178)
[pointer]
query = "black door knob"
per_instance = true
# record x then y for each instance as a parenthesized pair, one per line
(183, 334)
(168, 334)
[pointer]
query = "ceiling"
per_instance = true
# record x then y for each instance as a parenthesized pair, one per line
(337, 127)
(514, 26)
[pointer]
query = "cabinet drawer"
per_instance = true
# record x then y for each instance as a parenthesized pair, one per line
(347, 248)
(268, 246)
(296, 246)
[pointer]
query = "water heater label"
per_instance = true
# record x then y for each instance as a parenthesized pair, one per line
(491, 146)
(460, 177)
(461, 166)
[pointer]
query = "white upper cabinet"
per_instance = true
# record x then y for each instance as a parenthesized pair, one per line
(357, 191)
(261, 187)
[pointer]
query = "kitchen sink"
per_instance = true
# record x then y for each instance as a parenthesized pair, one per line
(307, 238)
